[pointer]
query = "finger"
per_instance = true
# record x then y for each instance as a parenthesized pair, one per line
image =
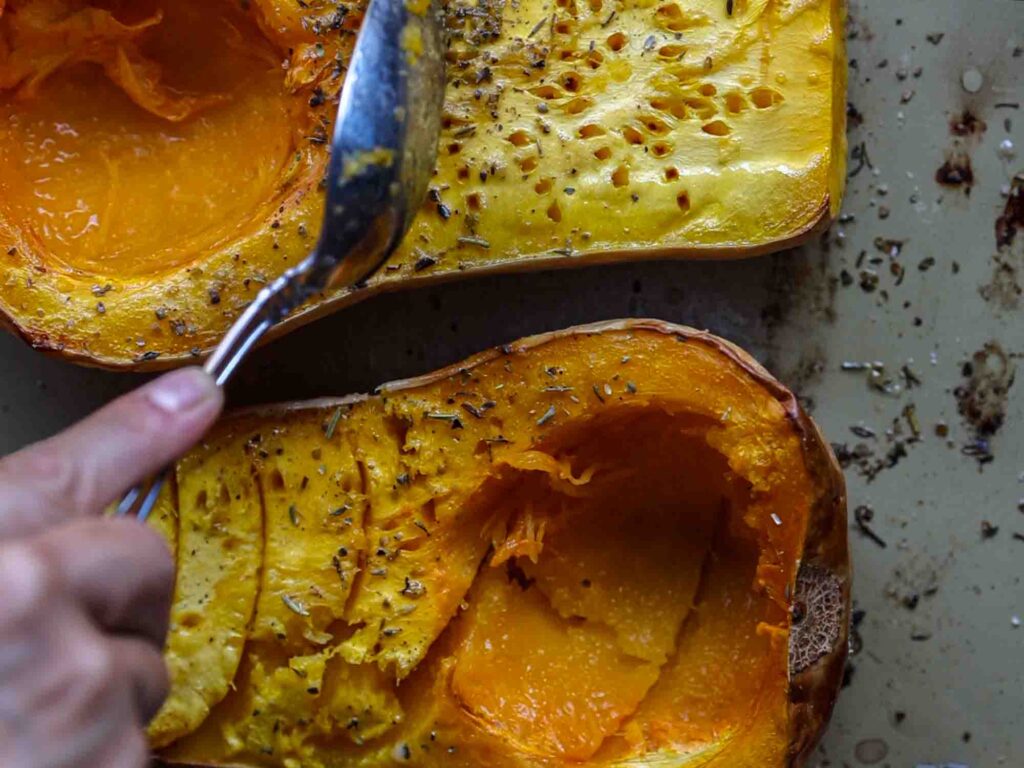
(82, 470)
(134, 752)
(144, 667)
(128, 750)
(75, 699)
(73, 695)
(120, 571)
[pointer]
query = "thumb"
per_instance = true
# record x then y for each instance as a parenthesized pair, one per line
(83, 469)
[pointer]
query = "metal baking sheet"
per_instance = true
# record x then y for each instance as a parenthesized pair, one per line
(901, 328)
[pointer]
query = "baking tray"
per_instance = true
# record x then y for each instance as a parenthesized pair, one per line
(904, 315)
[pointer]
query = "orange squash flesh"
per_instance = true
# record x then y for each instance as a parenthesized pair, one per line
(541, 685)
(161, 161)
(618, 544)
(109, 187)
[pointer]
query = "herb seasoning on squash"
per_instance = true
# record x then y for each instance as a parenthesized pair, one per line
(175, 151)
(658, 576)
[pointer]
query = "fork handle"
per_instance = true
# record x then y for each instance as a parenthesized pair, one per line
(272, 303)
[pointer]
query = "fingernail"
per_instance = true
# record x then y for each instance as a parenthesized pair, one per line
(181, 391)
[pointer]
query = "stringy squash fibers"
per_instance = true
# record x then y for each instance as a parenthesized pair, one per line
(161, 161)
(621, 544)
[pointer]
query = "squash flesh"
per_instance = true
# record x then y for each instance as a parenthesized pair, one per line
(590, 131)
(604, 561)
(122, 180)
(314, 510)
(542, 687)
(620, 589)
(726, 673)
(215, 590)
(668, 124)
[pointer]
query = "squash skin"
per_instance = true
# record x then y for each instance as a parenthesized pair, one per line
(813, 688)
(162, 320)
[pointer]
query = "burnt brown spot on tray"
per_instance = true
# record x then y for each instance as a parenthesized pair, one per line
(982, 398)
(967, 123)
(916, 579)
(1003, 290)
(956, 172)
(1012, 217)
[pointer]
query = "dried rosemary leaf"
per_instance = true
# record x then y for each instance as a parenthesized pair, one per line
(333, 423)
(295, 606)
(549, 414)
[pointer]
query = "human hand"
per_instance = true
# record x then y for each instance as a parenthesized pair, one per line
(84, 600)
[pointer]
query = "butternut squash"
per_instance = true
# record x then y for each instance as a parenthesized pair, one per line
(161, 161)
(620, 544)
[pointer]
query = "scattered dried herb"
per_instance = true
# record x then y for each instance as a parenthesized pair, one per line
(956, 172)
(332, 423)
(479, 242)
(889, 246)
(860, 154)
(549, 414)
(424, 262)
(910, 414)
(478, 411)
(413, 588)
(912, 379)
(295, 606)
(451, 418)
(1012, 218)
(863, 515)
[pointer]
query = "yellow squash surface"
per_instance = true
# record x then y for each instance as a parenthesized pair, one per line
(160, 161)
(622, 544)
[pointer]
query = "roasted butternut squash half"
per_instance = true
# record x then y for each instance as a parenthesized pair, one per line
(622, 544)
(161, 161)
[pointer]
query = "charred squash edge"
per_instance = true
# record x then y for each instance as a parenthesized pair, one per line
(61, 347)
(812, 691)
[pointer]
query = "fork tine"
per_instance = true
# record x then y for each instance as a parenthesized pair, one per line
(139, 501)
(127, 502)
(150, 500)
